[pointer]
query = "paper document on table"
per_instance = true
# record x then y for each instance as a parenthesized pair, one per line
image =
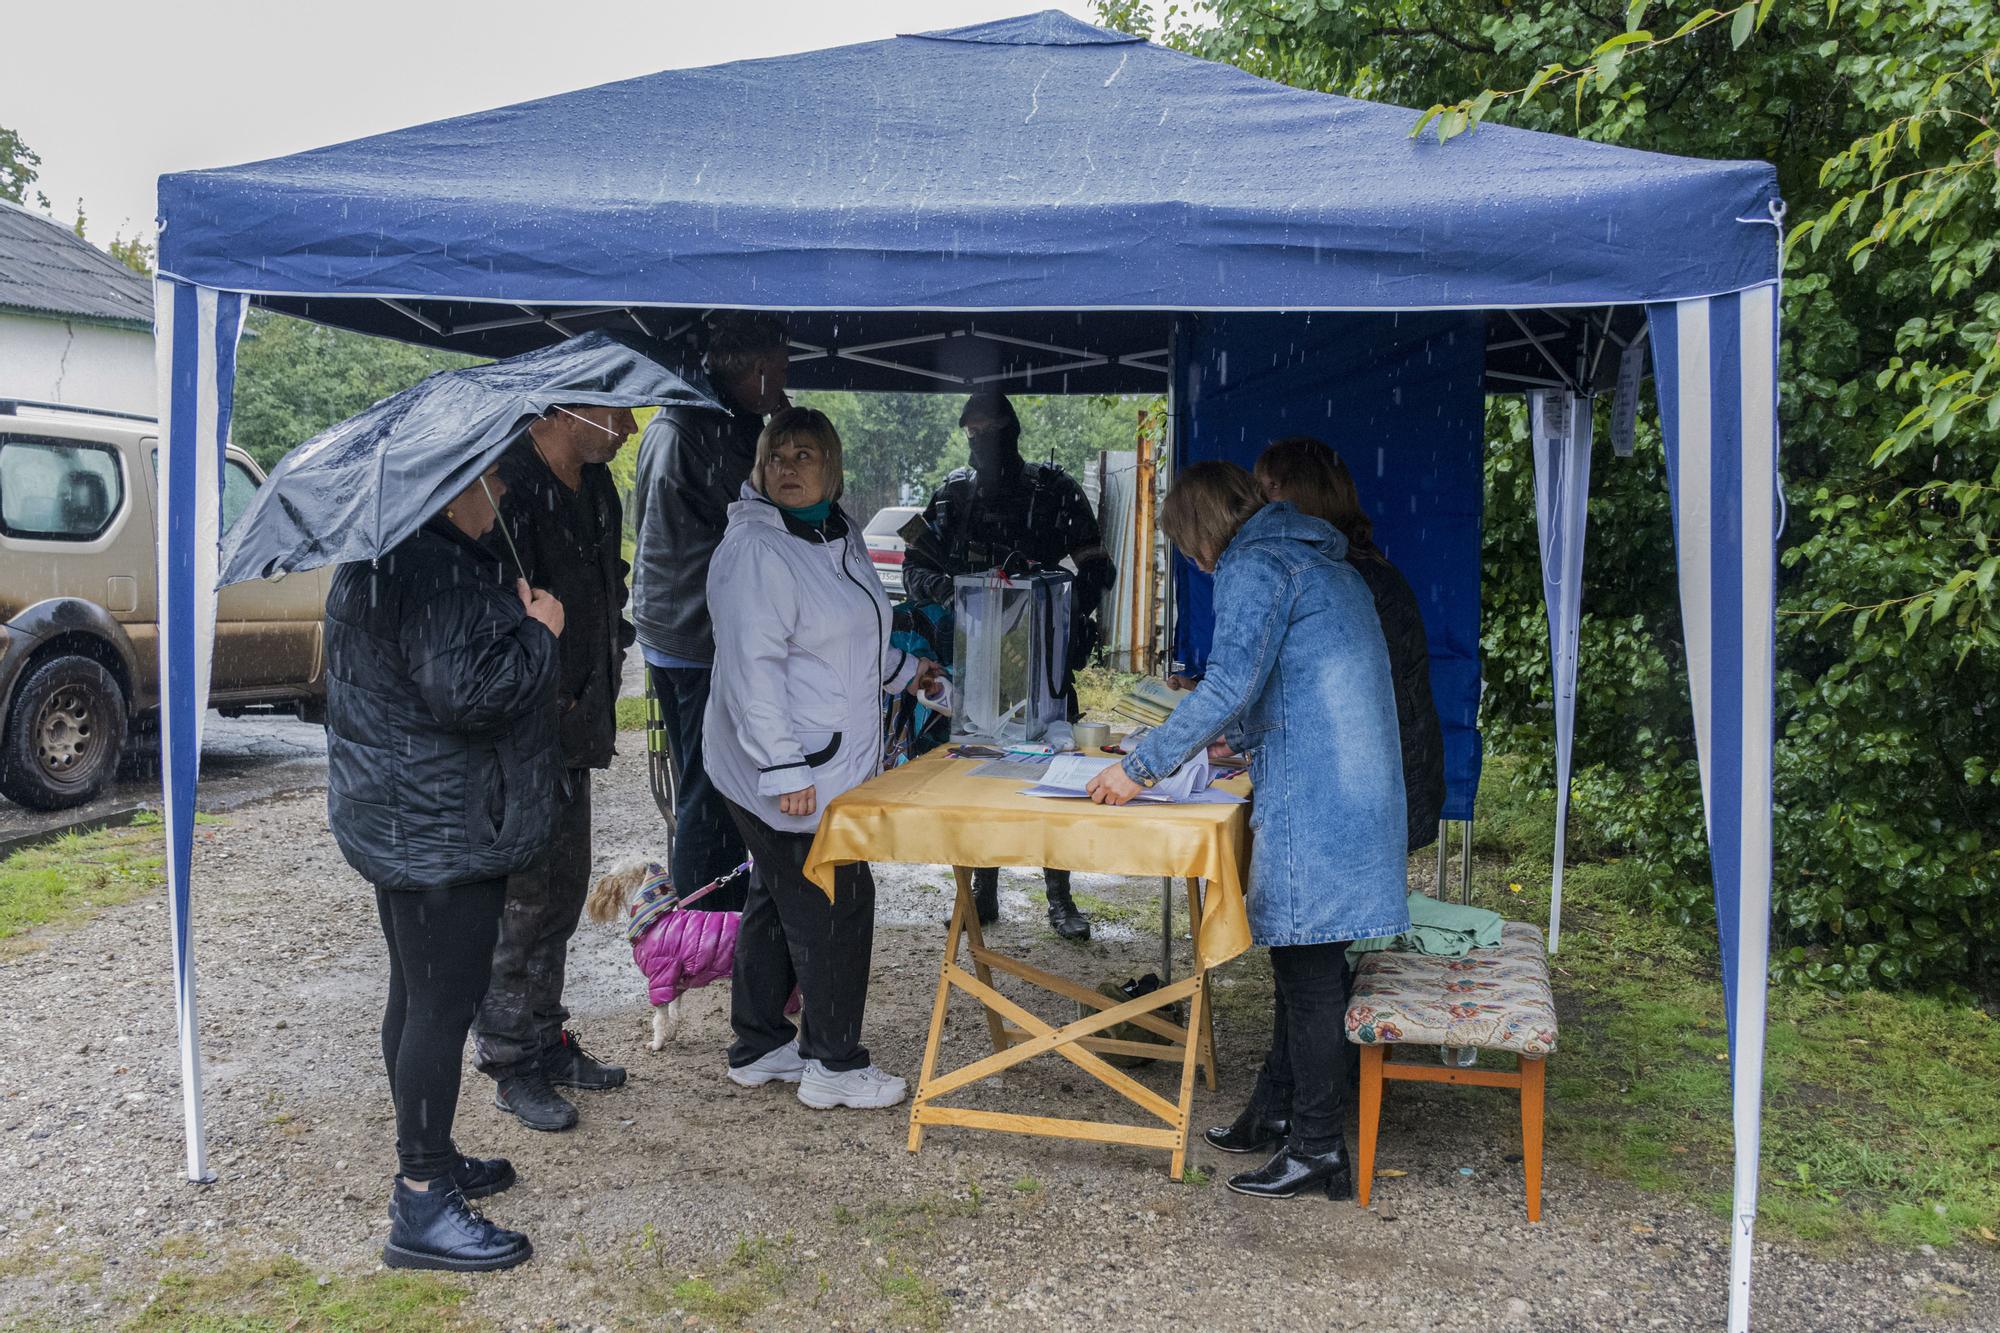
(1069, 778)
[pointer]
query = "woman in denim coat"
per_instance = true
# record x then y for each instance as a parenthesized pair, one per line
(1298, 680)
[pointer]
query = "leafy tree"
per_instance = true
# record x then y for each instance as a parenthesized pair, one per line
(20, 167)
(294, 379)
(1878, 116)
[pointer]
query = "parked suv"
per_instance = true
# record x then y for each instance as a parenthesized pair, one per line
(79, 633)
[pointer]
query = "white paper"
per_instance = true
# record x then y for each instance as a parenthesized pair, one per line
(1069, 778)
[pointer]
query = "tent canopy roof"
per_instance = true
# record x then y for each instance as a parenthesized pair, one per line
(1033, 164)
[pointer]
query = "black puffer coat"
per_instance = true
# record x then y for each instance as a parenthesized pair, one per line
(440, 716)
(1416, 711)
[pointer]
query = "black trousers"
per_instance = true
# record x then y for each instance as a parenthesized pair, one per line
(707, 845)
(440, 953)
(987, 880)
(1305, 1071)
(792, 936)
(523, 1014)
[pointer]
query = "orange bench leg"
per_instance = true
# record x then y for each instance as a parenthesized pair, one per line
(1371, 1119)
(1531, 1132)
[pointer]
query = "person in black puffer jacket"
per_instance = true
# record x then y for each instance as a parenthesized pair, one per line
(1312, 478)
(441, 781)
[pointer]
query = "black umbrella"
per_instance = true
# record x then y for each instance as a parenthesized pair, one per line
(356, 490)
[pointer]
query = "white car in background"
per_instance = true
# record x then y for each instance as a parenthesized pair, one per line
(885, 545)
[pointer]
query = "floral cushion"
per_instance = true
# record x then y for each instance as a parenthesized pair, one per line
(1496, 998)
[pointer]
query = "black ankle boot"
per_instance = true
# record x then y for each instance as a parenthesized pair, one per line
(479, 1177)
(986, 895)
(568, 1065)
(436, 1228)
(1253, 1130)
(1064, 919)
(528, 1096)
(1293, 1172)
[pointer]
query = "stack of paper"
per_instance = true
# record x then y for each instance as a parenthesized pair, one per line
(1149, 702)
(1069, 778)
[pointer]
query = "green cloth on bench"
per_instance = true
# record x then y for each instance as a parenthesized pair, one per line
(1441, 930)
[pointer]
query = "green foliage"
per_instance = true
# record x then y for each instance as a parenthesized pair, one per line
(294, 379)
(895, 444)
(251, 1295)
(20, 167)
(75, 873)
(1877, 115)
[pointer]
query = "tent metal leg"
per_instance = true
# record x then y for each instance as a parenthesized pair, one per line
(1166, 930)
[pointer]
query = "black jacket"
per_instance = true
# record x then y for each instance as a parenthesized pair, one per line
(693, 462)
(1416, 711)
(1036, 522)
(440, 716)
(570, 544)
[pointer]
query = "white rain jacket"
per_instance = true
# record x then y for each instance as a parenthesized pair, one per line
(802, 658)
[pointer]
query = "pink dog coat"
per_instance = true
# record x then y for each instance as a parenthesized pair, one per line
(681, 950)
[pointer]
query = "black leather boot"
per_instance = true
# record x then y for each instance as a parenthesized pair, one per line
(1293, 1172)
(1253, 1130)
(986, 895)
(528, 1096)
(568, 1065)
(436, 1228)
(478, 1177)
(1064, 919)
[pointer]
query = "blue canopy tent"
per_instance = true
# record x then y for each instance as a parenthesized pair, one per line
(1037, 204)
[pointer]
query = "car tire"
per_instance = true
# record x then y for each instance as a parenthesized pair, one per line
(64, 734)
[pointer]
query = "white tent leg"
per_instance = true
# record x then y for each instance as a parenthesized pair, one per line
(195, 332)
(1561, 426)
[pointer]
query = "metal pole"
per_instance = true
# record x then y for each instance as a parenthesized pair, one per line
(1166, 930)
(1465, 866)
(1444, 837)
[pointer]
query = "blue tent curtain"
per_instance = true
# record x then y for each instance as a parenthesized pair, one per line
(195, 333)
(1715, 373)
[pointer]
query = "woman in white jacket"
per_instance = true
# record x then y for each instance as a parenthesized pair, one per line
(802, 659)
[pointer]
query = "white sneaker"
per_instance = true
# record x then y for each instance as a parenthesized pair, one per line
(785, 1065)
(864, 1089)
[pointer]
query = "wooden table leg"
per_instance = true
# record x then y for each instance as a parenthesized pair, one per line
(1204, 1031)
(1197, 1011)
(961, 910)
(995, 1029)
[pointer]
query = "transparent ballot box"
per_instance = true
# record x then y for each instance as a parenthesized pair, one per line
(1010, 644)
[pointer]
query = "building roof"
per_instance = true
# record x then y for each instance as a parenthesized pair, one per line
(47, 269)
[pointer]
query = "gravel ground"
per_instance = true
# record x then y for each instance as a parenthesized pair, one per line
(671, 1177)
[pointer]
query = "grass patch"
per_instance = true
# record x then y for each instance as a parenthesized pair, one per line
(916, 1300)
(753, 1276)
(631, 712)
(1882, 1109)
(885, 1223)
(254, 1295)
(72, 874)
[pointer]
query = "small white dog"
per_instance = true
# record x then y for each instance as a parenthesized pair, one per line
(678, 950)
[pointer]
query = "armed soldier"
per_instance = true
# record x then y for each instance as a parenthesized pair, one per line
(1005, 513)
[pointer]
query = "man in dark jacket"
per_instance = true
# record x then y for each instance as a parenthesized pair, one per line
(562, 513)
(1005, 513)
(693, 461)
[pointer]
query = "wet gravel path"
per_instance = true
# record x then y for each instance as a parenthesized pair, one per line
(813, 1219)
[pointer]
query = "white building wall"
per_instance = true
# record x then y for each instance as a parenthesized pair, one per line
(73, 362)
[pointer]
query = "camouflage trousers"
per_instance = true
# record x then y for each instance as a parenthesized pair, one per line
(522, 1014)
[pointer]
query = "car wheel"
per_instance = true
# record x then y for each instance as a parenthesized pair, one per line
(65, 731)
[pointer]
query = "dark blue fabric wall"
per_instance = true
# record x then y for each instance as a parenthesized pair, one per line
(1400, 397)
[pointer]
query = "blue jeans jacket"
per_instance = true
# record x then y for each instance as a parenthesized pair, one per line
(1299, 680)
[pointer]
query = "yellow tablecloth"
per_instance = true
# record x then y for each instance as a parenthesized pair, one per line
(934, 810)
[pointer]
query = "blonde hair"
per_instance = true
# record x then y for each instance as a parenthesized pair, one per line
(801, 424)
(1312, 479)
(1206, 506)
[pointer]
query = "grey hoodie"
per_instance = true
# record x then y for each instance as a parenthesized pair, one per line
(802, 659)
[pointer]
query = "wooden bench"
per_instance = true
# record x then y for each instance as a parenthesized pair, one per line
(1492, 999)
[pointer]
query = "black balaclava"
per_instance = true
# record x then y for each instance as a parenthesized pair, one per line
(995, 457)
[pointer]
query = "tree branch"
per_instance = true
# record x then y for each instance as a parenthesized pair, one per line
(1450, 39)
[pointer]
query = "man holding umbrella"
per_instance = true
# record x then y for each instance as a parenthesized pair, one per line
(562, 516)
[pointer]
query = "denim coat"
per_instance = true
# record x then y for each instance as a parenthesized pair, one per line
(1299, 680)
